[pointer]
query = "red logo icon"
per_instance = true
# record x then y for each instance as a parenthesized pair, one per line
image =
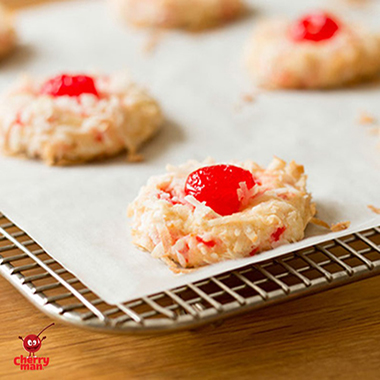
(32, 343)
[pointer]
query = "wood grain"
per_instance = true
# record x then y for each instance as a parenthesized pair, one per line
(331, 335)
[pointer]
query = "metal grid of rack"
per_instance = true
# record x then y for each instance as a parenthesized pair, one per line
(58, 293)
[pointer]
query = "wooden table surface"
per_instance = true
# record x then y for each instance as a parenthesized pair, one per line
(331, 335)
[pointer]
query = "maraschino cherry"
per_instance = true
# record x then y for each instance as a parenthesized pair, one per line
(69, 85)
(218, 185)
(316, 27)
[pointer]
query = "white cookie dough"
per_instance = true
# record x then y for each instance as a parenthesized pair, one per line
(66, 130)
(275, 60)
(194, 14)
(188, 234)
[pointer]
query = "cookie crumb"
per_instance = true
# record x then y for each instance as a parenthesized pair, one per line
(152, 41)
(365, 118)
(374, 209)
(340, 226)
(248, 98)
(245, 99)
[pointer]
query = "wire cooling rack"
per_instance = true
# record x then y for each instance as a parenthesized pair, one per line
(61, 295)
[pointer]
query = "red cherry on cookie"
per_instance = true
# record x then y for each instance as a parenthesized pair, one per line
(69, 85)
(314, 27)
(217, 186)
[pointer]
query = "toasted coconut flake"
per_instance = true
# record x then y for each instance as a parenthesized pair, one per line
(340, 226)
(374, 209)
(319, 222)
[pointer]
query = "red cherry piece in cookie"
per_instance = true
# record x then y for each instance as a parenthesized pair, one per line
(210, 243)
(254, 251)
(314, 27)
(69, 85)
(218, 186)
(278, 233)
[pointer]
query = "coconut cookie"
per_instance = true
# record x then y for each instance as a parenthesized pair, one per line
(70, 119)
(7, 32)
(195, 14)
(203, 213)
(317, 51)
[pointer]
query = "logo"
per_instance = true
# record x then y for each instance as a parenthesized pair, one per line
(32, 343)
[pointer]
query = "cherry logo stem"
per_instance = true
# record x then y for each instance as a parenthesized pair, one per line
(51, 324)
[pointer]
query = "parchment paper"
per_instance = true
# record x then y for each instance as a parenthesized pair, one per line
(78, 214)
